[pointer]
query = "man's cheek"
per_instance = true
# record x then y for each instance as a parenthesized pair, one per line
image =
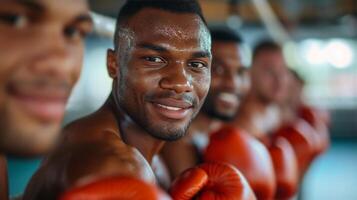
(204, 92)
(76, 60)
(207, 83)
(215, 82)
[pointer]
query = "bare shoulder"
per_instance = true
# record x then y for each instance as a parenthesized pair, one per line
(90, 128)
(108, 155)
(89, 150)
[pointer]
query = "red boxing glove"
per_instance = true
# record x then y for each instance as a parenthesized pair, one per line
(210, 181)
(285, 166)
(188, 184)
(248, 155)
(317, 122)
(116, 188)
(307, 114)
(303, 142)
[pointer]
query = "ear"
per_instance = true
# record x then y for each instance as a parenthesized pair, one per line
(112, 64)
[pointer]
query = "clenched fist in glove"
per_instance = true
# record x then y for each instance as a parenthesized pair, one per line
(285, 166)
(248, 155)
(210, 181)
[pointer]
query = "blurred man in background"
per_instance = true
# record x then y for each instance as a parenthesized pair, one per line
(258, 113)
(290, 105)
(293, 108)
(41, 56)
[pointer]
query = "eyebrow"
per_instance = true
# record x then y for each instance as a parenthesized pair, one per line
(35, 6)
(152, 47)
(31, 4)
(201, 54)
(158, 48)
(85, 17)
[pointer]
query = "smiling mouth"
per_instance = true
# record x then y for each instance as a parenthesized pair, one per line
(228, 99)
(41, 105)
(169, 107)
(172, 109)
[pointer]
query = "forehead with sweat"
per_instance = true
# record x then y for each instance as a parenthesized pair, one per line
(155, 25)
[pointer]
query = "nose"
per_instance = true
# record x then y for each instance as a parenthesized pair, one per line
(280, 79)
(231, 82)
(55, 56)
(176, 78)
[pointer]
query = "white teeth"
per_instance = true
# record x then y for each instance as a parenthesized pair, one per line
(228, 97)
(169, 107)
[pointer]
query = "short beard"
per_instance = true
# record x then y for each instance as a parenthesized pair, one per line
(208, 109)
(214, 114)
(166, 133)
(264, 99)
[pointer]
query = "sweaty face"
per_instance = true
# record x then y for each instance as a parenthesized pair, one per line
(223, 97)
(165, 77)
(269, 76)
(41, 55)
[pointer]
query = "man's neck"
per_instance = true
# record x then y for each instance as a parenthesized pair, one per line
(135, 136)
(204, 124)
(251, 110)
(255, 103)
(4, 193)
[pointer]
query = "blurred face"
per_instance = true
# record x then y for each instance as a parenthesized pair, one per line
(295, 91)
(243, 83)
(41, 56)
(269, 76)
(223, 97)
(165, 77)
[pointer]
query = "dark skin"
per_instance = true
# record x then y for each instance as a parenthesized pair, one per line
(182, 154)
(290, 104)
(42, 44)
(269, 76)
(163, 81)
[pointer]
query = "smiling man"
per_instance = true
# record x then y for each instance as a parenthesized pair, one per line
(41, 57)
(160, 68)
(259, 113)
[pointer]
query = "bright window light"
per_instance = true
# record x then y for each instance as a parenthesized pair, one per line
(312, 52)
(338, 53)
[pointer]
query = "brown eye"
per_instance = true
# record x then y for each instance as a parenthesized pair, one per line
(218, 69)
(74, 33)
(197, 65)
(154, 59)
(14, 20)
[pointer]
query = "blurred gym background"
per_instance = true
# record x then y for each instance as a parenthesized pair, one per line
(320, 43)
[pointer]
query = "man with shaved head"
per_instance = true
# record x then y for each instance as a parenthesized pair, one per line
(258, 113)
